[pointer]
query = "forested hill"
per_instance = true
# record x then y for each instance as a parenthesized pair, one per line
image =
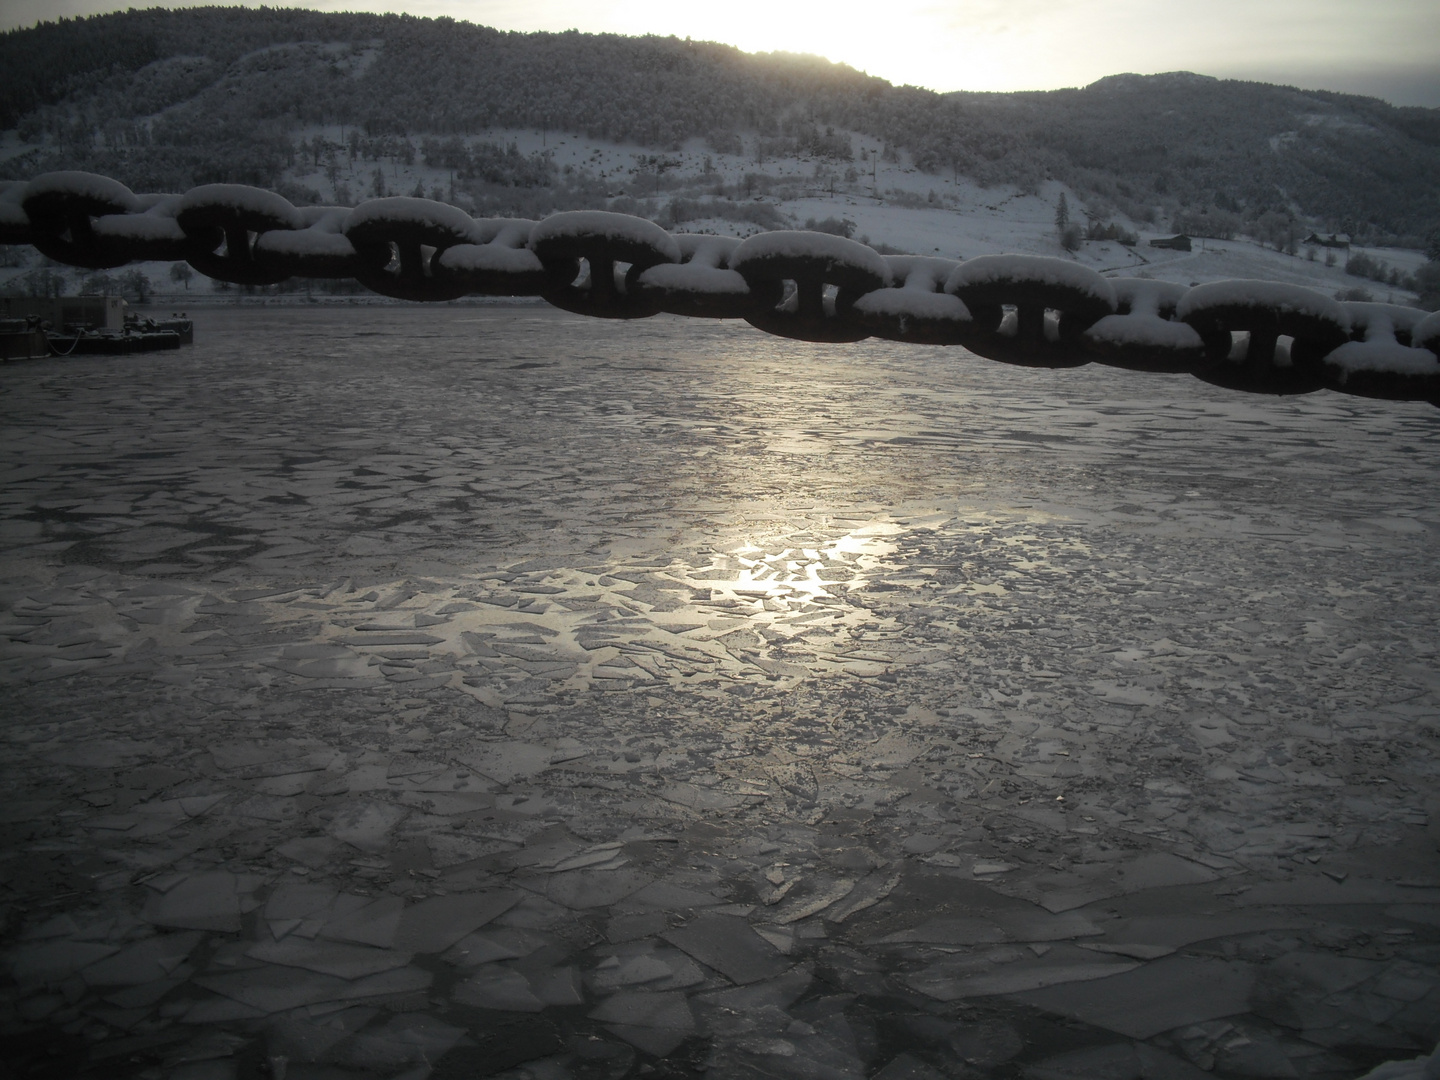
(167, 99)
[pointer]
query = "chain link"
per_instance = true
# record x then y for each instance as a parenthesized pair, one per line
(613, 250)
(1255, 336)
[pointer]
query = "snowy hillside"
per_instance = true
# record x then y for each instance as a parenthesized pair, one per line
(164, 100)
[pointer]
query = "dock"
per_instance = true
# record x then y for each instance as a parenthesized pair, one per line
(32, 328)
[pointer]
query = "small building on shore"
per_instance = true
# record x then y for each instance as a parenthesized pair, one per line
(1174, 243)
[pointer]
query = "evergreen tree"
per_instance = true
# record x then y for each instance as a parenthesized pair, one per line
(1062, 213)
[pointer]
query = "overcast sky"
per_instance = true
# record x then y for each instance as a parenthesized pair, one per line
(1385, 48)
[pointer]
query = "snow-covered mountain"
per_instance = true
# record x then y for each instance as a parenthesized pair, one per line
(166, 99)
(333, 109)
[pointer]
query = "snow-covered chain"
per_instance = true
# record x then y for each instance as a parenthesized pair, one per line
(1257, 336)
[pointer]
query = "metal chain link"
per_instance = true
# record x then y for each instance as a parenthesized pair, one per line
(1256, 336)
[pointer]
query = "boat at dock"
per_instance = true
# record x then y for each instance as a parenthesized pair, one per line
(23, 339)
(36, 327)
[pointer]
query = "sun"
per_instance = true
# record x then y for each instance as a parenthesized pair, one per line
(900, 46)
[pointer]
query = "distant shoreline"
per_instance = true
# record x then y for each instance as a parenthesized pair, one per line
(181, 300)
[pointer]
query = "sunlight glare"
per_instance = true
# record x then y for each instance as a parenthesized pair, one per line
(910, 44)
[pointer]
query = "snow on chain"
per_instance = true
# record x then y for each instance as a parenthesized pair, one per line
(1144, 331)
(702, 249)
(607, 225)
(323, 235)
(1031, 270)
(167, 205)
(325, 218)
(1387, 356)
(795, 244)
(505, 232)
(1427, 333)
(925, 273)
(492, 258)
(244, 200)
(694, 278)
(1142, 326)
(1379, 349)
(1247, 293)
(1144, 296)
(84, 185)
(915, 304)
(916, 294)
(1381, 321)
(408, 210)
(156, 223)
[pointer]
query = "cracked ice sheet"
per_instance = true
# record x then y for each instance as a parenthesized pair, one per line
(1161, 996)
(1072, 637)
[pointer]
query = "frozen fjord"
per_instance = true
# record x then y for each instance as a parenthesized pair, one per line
(481, 688)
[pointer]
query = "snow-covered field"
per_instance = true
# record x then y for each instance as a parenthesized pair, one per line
(891, 204)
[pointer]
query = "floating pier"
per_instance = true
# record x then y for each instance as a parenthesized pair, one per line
(36, 327)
